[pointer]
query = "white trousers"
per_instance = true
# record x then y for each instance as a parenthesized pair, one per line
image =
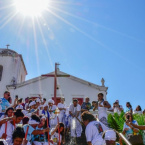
(41, 143)
(53, 122)
(76, 128)
(61, 118)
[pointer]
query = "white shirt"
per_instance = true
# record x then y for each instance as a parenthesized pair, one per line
(137, 112)
(9, 131)
(26, 105)
(53, 107)
(60, 105)
(55, 137)
(74, 110)
(102, 111)
(116, 109)
(67, 111)
(94, 132)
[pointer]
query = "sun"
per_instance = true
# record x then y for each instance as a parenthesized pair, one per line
(31, 7)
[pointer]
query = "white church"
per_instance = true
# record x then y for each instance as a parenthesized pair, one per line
(12, 78)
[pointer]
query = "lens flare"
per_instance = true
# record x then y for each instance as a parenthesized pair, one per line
(31, 7)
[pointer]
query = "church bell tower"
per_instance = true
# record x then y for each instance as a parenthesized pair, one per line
(12, 69)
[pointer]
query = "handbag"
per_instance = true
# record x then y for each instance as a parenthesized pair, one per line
(136, 139)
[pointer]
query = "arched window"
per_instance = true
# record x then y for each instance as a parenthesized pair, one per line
(1, 71)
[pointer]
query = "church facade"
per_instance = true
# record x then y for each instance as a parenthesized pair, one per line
(12, 78)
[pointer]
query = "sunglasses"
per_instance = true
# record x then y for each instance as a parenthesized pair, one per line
(8, 94)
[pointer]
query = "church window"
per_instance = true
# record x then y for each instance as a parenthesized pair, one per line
(1, 71)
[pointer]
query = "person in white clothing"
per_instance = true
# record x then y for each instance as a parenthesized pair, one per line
(94, 129)
(102, 106)
(117, 108)
(9, 113)
(138, 110)
(38, 103)
(75, 112)
(10, 124)
(62, 107)
(51, 109)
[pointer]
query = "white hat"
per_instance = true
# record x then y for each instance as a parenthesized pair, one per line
(31, 121)
(45, 105)
(43, 117)
(19, 107)
(41, 106)
(4, 142)
(32, 103)
(38, 100)
(110, 135)
(50, 101)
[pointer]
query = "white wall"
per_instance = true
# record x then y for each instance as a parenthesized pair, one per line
(12, 67)
(68, 89)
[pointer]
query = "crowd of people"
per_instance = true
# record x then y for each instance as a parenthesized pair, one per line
(40, 122)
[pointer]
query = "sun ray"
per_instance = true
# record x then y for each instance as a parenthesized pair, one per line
(5, 18)
(36, 46)
(97, 24)
(6, 7)
(8, 20)
(45, 44)
(36, 52)
(92, 38)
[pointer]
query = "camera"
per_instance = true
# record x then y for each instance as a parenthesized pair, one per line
(128, 116)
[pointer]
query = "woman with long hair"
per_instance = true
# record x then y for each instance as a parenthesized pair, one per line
(128, 107)
(10, 124)
(128, 129)
(9, 113)
(57, 134)
(138, 110)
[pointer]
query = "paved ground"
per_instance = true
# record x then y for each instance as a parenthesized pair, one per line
(80, 141)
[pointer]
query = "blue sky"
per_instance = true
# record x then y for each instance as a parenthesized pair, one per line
(91, 39)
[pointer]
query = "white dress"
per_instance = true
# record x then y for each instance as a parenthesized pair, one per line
(62, 112)
(53, 117)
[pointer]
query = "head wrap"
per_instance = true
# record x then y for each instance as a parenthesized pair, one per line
(43, 117)
(32, 103)
(19, 107)
(31, 121)
(38, 100)
(50, 101)
(110, 135)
